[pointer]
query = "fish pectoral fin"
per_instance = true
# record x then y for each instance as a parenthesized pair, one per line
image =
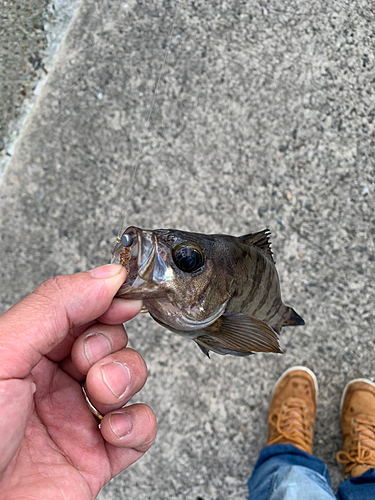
(240, 335)
(206, 344)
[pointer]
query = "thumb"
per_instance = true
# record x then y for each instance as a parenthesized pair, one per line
(40, 321)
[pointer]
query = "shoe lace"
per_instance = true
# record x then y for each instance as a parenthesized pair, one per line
(292, 424)
(362, 447)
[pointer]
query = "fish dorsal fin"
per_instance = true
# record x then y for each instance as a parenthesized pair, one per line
(260, 240)
(240, 335)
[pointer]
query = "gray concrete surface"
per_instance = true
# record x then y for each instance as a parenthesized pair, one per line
(22, 39)
(30, 36)
(263, 118)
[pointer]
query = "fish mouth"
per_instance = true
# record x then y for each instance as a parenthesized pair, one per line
(142, 262)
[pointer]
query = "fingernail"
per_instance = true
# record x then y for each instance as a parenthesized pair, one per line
(116, 376)
(96, 346)
(107, 271)
(120, 424)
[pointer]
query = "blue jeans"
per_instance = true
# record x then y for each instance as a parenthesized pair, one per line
(283, 472)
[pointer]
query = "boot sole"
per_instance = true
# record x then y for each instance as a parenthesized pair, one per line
(365, 380)
(295, 368)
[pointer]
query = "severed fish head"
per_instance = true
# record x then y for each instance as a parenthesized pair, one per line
(174, 273)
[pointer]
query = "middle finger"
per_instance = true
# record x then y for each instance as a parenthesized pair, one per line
(114, 380)
(96, 343)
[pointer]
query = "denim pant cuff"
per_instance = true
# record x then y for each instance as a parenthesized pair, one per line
(358, 488)
(295, 457)
(283, 470)
(278, 460)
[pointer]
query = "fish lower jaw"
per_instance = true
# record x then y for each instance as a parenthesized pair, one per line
(140, 289)
(132, 286)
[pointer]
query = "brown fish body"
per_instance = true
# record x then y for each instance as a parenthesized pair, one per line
(256, 291)
(220, 290)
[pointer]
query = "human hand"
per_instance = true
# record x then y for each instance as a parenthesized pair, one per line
(70, 328)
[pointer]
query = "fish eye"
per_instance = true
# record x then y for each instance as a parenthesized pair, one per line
(188, 257)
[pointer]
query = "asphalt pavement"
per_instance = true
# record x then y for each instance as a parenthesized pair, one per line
(233, 117)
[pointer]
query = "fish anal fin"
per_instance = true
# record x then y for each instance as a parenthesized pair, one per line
(204, 349)
(260, 240)
(239, 335)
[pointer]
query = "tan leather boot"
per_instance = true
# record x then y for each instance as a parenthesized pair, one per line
(358, 428)
(292, 409)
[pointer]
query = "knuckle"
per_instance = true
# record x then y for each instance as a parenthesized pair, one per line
(51, 294)
(52, 287)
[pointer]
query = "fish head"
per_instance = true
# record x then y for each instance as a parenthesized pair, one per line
(177, 274)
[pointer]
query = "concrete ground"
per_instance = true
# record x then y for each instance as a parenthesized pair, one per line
(22, 41)
(263, 117)
(30, 35)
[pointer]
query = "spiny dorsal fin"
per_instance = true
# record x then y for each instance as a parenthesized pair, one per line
(239, 335)
(260, 240)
